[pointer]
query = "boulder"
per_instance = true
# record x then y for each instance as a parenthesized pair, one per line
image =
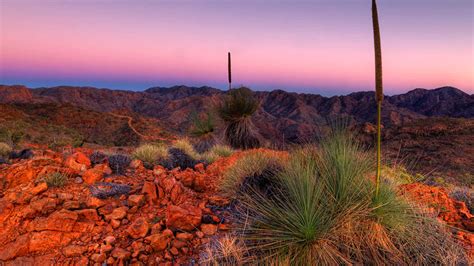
(184, 217)
(139, 228)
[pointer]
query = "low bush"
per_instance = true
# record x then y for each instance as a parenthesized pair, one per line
(119, 163)
(151, 154)
(186, 146)
(55, 179)
(97, 157)
(5, 150)
(253, 169)
(322, 211)
(216, 152)
(179, 158)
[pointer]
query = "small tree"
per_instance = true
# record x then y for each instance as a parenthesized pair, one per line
(236, 110)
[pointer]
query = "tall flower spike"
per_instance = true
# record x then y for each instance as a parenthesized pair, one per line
(378, 53)
(378, 90)
(229, 70)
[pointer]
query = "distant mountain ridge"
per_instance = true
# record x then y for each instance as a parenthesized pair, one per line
(283, 115)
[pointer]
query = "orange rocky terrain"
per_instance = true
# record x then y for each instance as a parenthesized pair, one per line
(162, 217)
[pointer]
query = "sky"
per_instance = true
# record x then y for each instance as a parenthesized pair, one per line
(319, 46)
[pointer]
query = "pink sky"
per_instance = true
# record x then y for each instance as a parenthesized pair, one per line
(318, 46)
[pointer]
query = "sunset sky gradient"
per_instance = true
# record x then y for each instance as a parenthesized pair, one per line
(319, 46)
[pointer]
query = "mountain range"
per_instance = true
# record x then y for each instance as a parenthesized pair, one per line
(283, 116)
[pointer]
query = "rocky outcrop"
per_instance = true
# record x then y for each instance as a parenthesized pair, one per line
(159, 221)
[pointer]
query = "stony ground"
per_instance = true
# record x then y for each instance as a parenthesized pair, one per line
(165, 218)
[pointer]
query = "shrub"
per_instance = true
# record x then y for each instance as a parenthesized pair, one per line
(5, 149)
(179, 158)
(236, 111)
(216, 152)
(119, 163)
(186, 146)
(23, 154)
(97, 157)
(150, 154)
(202, 127)
(465, 195)
(55, 179)
(104, 190)
(323, 211)
(251, 170)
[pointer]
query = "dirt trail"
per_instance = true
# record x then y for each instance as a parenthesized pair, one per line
(129, 122)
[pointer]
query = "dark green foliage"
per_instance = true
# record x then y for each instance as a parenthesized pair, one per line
(202, 126)
(236, 111)
(179, 158)
(119, 163)
(23, 154)
(104, 190)
(97, 157)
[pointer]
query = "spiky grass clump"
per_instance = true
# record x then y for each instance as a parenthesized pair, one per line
(185, 145)
(119, 163)
(252, 168)
(55, 179)
(5, 150)
(323, 212)
(150, 154)
(216, 152)
(227, 250)
(202, 127)
(97, 157)
(236, 111)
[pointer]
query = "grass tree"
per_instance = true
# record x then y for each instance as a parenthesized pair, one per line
(378, 88)
(236, 111)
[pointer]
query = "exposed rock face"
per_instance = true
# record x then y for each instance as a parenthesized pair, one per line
(68, 225)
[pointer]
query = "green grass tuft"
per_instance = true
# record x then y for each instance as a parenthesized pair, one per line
(5, 149)
(55, 179)
(151, 154)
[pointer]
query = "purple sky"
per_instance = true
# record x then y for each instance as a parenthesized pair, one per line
(319, 46)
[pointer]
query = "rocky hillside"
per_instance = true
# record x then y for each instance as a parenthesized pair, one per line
(284, 116)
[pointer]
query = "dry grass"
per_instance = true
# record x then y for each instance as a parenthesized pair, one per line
(151, 154)
(249, 166)
(185, 145)
(5, 149)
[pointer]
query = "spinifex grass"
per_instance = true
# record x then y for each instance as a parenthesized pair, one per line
(322, 211)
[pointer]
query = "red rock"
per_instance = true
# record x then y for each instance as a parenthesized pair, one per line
(209, 229)
(115, 224)
(174, 251)
(62, 220)
(92, 176)
(78, 162)
(139, 228)
(184, 236)
(103, 168)
(176, 194)
(159, 241)
(40, 188)
(74, 250)
(88, 214)
(185, 218)
(117, 214)
(44, 205)
(136, 164)
(136, 200)
(149, 189)
(469, 224)
(200, 183)
(99, 258)
(110, 240)
(95, 203)
(71, 205)
(199, 167)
